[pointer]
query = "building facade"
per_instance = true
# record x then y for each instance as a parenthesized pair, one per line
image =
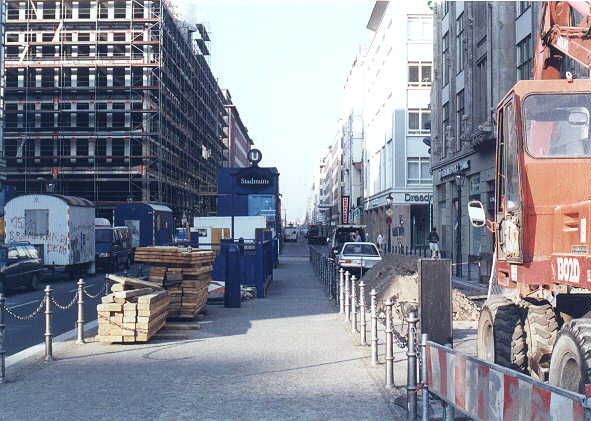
(236, 139)
(481, 49)
(113, 102)
(396, 119)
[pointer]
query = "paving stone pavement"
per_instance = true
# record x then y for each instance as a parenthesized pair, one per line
(284, 357)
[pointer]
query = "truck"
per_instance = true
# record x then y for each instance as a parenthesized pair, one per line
(149, 224)
(60, 227)
(317, 234)
(343, 234)
(537, 317)
(290, 233)
(112, 246)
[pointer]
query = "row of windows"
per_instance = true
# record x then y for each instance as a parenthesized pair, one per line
(69, 36)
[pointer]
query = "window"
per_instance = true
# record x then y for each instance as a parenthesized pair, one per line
(445, 58)
(418, 171)
(557, 125)
(419, 121)
(460, 117)
(524, 59)
(419, 73)
(36, 222)
(479, 10)
(522, 6)
(480, 97)
(445, 128)
(420, 28)
(460, 41)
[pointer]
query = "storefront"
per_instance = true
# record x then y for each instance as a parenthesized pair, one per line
(411, 214)
(455, 184)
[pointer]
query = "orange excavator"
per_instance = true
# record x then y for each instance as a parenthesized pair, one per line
(537, 318)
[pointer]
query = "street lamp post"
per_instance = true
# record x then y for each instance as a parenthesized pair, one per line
(459, 184)
(389, 200)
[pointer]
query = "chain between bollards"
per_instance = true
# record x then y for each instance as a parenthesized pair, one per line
(353, 304)
(347, 297)
(411, 354)
(389, 345)
(2, 340)
(374, 327)
(341, 291)
(424, 379)
(80, 321)
(48, 325)
(362, 314)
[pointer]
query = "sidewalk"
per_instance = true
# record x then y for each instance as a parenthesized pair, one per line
(285, 357)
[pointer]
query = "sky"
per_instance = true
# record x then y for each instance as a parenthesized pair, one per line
(285, 63)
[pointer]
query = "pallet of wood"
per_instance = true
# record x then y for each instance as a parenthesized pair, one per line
(134, 311)
(185, 272)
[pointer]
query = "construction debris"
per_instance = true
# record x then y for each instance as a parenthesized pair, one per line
(184, 272)
(129, 314)
(463, 307)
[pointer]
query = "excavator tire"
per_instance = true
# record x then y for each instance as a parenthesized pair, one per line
(541, 329)
(501, 336)
(570, 365)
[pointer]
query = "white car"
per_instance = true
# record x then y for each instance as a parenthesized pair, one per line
(358, 258)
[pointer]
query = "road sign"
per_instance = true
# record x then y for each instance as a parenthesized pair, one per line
(389, 212)
(389, 220)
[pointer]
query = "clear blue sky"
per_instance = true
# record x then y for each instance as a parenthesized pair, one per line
(285, 64)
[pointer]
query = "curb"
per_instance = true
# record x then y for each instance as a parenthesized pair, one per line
(37, 351)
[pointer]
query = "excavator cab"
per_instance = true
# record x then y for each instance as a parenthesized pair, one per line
(543, 184)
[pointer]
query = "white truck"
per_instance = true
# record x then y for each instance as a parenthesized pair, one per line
(60, 227)
(290, 234)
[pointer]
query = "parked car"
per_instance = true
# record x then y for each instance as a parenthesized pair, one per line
(113, 247)
(20, 267)
(358, 258)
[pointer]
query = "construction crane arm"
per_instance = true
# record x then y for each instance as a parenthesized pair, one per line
(559, 37)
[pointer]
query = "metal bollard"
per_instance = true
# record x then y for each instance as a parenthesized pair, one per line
(341, 291)
(411, 354)
(2, 340)
(389, 345)
(424, 379)
(48, 323)
(374, 327)
(353, 304)
(362, 318)
(347, 297)
(80, 322)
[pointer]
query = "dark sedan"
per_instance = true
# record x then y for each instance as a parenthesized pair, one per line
(20, 267)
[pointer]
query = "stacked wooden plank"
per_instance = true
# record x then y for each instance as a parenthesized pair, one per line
(134, 311)
(184, 272)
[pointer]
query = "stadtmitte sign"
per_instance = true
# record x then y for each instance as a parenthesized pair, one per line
(254, 181)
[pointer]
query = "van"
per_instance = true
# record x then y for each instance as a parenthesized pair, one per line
(113, 248)
(344, 234)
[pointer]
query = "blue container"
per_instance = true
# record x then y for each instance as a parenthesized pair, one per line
(149, 225)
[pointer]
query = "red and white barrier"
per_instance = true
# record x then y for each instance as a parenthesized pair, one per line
(487, 392)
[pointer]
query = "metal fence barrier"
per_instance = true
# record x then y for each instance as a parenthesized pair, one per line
(48, 304)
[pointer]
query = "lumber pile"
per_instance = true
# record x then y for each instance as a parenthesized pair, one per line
(184, 272)
(134, 311)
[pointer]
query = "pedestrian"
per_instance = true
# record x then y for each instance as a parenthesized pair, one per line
(433, 239)
(358, 238)
(380, 242)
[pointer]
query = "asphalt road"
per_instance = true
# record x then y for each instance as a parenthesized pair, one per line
(23, 334)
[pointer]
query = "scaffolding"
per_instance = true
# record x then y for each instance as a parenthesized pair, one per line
(112, 101)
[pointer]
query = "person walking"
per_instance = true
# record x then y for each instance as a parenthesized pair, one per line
(380, 242)
(433, 239)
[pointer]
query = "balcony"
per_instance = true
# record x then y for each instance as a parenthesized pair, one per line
(483, 138)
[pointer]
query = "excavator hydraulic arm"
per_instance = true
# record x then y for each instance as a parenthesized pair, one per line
(560, 37)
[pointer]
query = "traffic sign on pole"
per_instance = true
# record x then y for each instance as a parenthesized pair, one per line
(389, 220)
(389, 212)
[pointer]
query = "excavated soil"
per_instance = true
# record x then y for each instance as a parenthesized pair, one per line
(396, 277)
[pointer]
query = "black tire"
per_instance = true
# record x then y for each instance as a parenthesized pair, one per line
(541, 330)
(501, 336)
(570, 365)
(34, 285)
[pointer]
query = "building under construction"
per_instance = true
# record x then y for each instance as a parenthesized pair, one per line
(112, 101)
